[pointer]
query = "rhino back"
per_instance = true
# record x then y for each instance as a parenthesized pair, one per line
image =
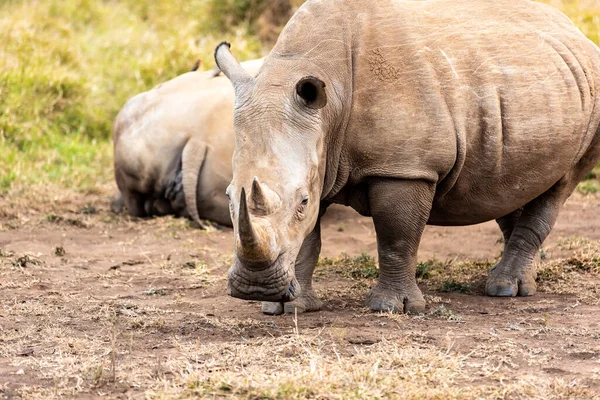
(493, 100)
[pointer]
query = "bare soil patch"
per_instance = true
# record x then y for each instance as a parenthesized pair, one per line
(94, 305)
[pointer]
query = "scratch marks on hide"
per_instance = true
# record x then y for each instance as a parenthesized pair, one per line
(381, 68)
(449, 62)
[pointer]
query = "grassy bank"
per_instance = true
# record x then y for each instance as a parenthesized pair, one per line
(68, 66)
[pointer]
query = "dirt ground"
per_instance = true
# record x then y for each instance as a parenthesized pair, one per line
(95, 305)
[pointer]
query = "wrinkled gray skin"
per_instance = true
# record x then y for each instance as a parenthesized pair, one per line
(173, 147)
(444, 112)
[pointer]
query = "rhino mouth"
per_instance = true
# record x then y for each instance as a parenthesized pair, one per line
(275, 283)
(261, 294)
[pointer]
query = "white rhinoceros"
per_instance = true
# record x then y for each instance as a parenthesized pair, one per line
(444, 112)
(173, 147)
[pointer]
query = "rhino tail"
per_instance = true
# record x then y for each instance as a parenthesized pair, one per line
(192, 158)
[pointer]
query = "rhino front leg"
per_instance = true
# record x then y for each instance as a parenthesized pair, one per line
(305, 266)
(400, 209)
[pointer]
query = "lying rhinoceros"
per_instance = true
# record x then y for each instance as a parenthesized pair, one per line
(444, 112)
(173, 147)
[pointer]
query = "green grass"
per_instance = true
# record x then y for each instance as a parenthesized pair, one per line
(359, 267)
(453, 285)
(68, 66)
(591, 183)
(584, 13)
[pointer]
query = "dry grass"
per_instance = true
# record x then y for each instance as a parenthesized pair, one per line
(577, 275)
(304, 364)
(74, 326)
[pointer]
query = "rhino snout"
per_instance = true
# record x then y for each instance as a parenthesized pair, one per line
(282, 290)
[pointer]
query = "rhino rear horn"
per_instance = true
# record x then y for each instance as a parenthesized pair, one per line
(239, 77)
(264, 200)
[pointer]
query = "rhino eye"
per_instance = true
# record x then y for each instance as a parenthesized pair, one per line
(304, 201)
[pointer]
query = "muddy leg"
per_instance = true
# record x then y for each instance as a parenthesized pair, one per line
(507, 225)
(400, 210)
(305, 266)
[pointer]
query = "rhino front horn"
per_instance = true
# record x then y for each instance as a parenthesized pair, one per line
(238, 76)
(253, 240)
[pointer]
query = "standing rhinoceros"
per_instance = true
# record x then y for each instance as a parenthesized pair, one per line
(444, 112)
(173, 147)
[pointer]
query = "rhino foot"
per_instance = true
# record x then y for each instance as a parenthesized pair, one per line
(304, 303)
(409, 301)
(503, 283)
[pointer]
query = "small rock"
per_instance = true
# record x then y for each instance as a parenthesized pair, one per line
(89, 209)
(127, 312)
(132, 262)
(60, 251)
(270, 308)
(362, 341)
(155, 292)
(25, 352)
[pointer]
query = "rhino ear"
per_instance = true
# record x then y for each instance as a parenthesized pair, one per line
(311, 91)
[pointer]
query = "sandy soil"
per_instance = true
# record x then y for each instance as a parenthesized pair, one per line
(99, 305)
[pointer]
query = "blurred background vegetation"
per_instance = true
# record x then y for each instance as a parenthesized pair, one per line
(68, 66)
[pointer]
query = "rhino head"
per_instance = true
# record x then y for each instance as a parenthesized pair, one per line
(281, 125)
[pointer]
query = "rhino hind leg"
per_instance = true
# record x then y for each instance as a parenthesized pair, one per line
(305, 266)
(507, 225)
(515, 274)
